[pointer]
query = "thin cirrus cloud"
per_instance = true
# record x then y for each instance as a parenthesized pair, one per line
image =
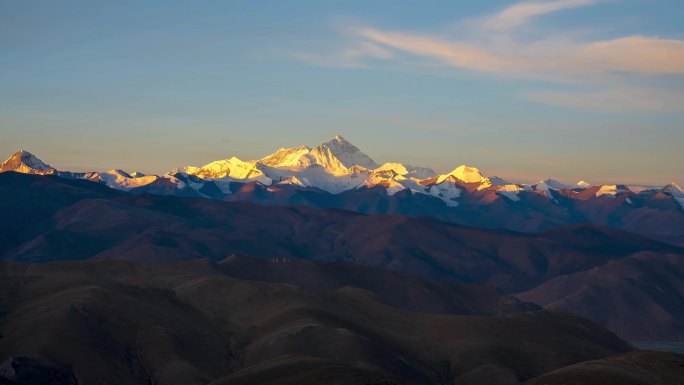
(637, 54)
(521, 13)
(618, 99)
(352, 57)
(622, 63)
(634, 54)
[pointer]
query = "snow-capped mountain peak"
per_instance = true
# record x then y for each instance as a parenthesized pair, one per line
(406, 170)
(498, 181)
(336, 157)
(27, 163)
(122, 180)
(335, 166)
(289, 158)
(673, 188)
(118, 172)
(233, 168)
(510, 191)
(549, 184)
(466, 174)
(676, 192)
(343, 152)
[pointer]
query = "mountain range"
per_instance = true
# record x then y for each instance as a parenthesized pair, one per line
(619, 279)
(336, 174)
(133, 286)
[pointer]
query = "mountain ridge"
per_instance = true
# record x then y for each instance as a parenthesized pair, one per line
(340, 159)
(48, 218)
(337, 174)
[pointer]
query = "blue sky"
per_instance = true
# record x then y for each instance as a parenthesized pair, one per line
(571, 89)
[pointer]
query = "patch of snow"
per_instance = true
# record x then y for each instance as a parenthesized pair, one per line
(294, 181)
(194, 184)
(609, 191)
(317, 176)
(289, 158)
(550, 184)
(121, 180)
(676, 192)
(223, 185)
(636, 188)
(393, 183)
(176, 181)
(407, 170)
(448, 192)
(33, 162)
(679, 200)
(510, 191)
(232, 168)
(496, 181)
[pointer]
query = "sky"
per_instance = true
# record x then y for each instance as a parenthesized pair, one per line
(571, 89)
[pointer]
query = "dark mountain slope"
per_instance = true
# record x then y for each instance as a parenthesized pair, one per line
(27, 203)
(399, 290)
(645, 284)
(652, 213)
(83, 220)
(115, 322)
(638, 367)
(156, 228)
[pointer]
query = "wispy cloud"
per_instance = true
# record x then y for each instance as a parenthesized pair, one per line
(521, 13)
(620, 64)
(455, 53)
(618, 99)
(648, 55)
(352, 57)
(638, 54)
